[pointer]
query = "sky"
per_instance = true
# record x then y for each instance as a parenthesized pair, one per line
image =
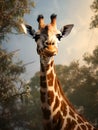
(72, 48)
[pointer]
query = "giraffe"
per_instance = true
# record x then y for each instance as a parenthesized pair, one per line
(58, 112)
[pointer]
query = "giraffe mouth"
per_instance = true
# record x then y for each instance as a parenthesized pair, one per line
(51, 51)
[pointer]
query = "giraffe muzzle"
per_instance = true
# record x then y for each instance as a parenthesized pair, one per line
(51, 50)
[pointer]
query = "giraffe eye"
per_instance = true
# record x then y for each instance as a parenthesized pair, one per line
(46, 43)
(59, 36)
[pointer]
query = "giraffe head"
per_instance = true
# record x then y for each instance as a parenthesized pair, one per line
(47, 43)
(47, 40)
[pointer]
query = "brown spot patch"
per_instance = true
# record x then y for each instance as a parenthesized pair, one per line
(78, 128)
(59, 94)
(50, 97)
(55, 85)
(70, 124)
(79, 120)
(72, 113)
(50, 78)
(89, 126)
(43, 78)
(56, 103)
(42, 96)
(58, 121)
(83, 127)
(46, 113)
(52, 63)
(43, 82)
(63, 108)
(42, 67)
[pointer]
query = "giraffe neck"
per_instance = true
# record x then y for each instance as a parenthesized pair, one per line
(58, 113)
(47, 81)
(47, 74)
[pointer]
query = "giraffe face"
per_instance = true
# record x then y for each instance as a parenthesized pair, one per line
(47, 43)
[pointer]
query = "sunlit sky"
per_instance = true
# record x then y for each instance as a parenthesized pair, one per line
(71, 48)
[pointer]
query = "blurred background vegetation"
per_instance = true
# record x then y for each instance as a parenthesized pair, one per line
(19, 100)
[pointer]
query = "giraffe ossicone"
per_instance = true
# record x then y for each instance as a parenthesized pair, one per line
(58, 113)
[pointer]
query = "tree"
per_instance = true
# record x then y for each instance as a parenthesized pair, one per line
(9, 75)
(94, 7)
(11, 15)
(12, 90)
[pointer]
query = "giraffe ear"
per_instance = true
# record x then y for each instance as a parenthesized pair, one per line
(66, 30)
(28, 29)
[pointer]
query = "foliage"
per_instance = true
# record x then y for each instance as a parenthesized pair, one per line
(15, 108)
(11, 14)
(9, 75)
(12, 91)
(94, 7)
